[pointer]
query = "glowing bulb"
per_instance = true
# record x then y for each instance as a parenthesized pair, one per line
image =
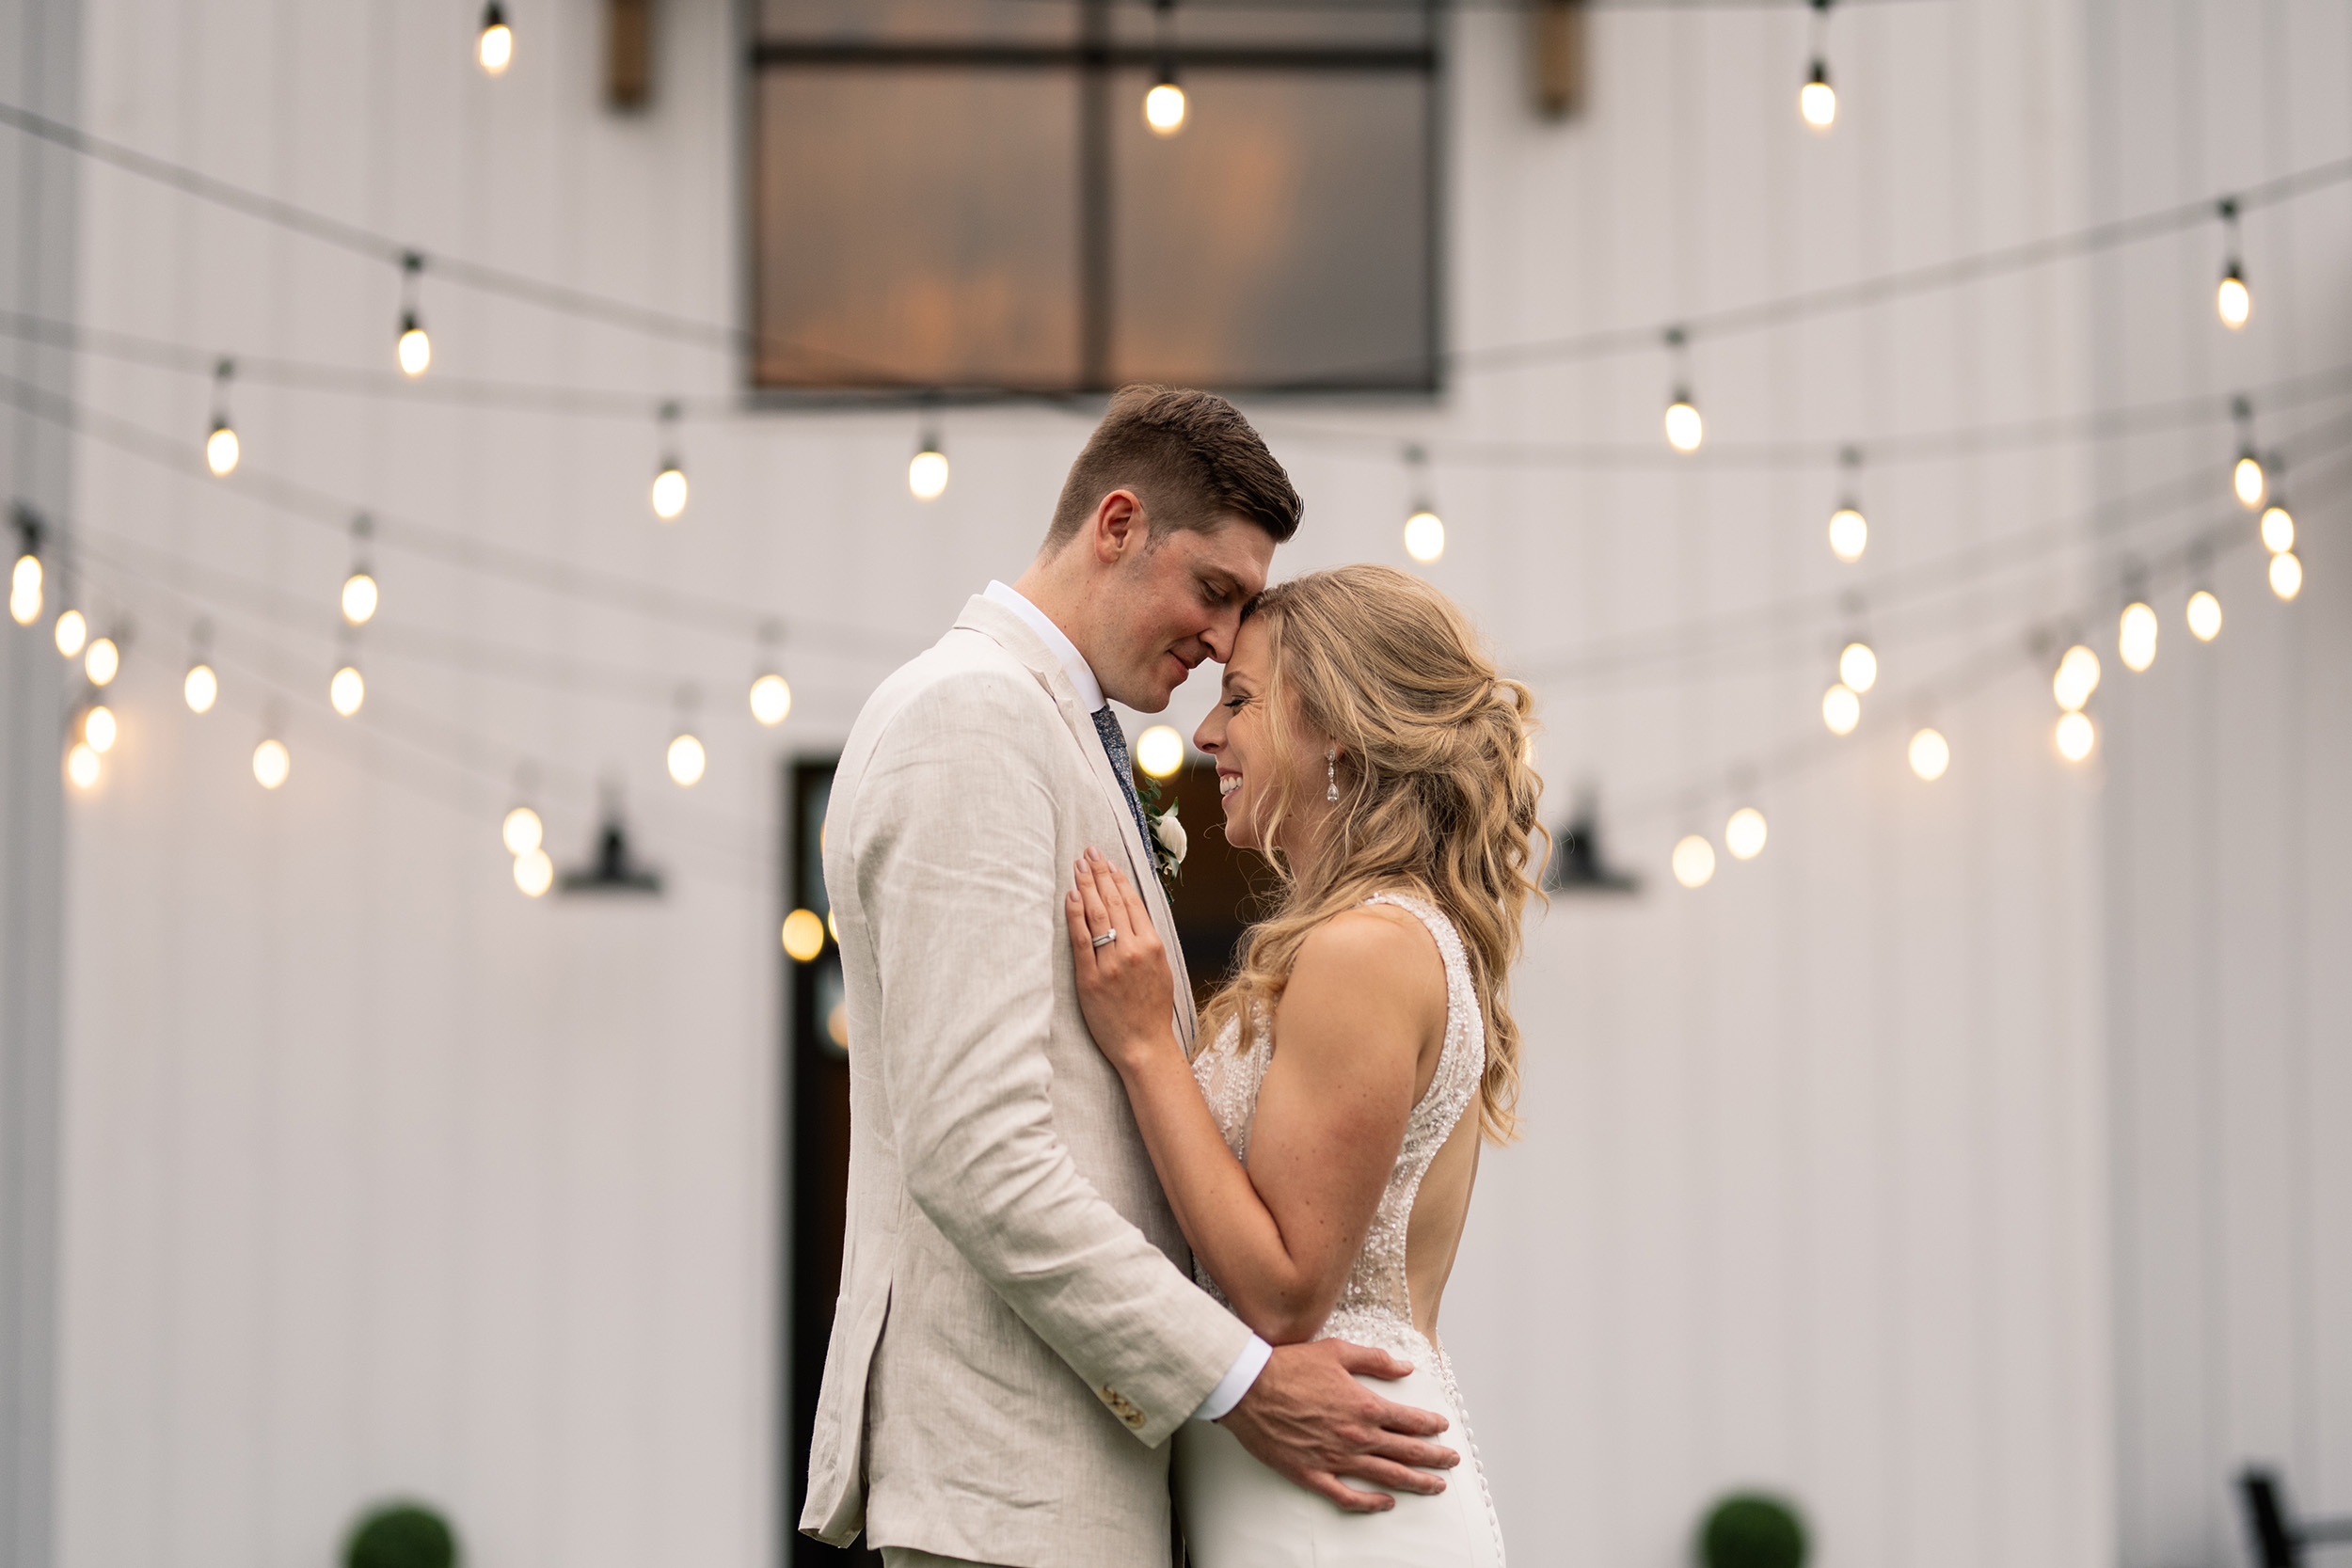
(1160, 750)
(2232, 300)
(104, 661)
(97, 728)
(1685, 430)
(533, 871)
(81, 765)
(832, 927)
(2286, 575)
(1425, 536)
(25, 591)
(1818, 100)
(927, 476)
(1858, 667)
(271, 763)
(1841, 711)
(2077, 735)
(669, 492)
(416, 349)
(201, 689)
(2278, 530)
(1849, 534)
(2077, 677)
(2248, 477)
(522, 831)
(687, 760)
(1743, 835)
(2135, 638)
(220, 450)
(1693, 862)
(496, 47)
(347, 690)
(73, 633)
(771, 699)
(2205, 616)
(1931, 753)
(1164, 109)
(804, 934)
(359, 598)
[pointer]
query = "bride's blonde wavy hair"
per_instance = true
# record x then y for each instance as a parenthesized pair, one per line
(1436, 794)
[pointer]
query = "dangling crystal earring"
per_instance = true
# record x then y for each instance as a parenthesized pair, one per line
(1331, 776)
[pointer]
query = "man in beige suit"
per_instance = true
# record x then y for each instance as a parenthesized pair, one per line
(1018, 1333)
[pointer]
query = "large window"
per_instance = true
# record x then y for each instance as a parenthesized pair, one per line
(965, 194)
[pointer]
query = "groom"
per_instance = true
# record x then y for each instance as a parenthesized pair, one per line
(1018, 1333)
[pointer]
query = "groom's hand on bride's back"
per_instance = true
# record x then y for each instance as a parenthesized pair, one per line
(1311, 1421)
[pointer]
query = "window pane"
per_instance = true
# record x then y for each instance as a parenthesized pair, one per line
(917, 227)
(1281, 238)
(920, 20)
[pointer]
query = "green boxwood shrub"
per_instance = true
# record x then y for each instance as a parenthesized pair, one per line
(1749, 1530)
(402, 1535)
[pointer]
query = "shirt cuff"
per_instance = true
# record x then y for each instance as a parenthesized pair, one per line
(1236, 1382)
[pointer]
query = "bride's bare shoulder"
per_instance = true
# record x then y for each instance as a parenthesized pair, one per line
(1377, 956)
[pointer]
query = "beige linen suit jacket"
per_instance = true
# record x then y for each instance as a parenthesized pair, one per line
(1018, 1333)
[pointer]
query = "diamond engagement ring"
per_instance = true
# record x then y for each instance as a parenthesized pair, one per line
(1107, 938)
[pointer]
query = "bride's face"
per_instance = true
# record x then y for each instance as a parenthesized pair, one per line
(1243, 737)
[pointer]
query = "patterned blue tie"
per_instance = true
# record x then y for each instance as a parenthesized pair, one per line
(1115, 744)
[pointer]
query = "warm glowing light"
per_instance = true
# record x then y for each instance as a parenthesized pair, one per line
(833, 926)
(687, 760)
(804, 934)
(347, 690)
(271, 763)
(2248, 477)
(533, 871)
(1743, 835)
(416, 349)
(104, 661)
(73, 633)
(495, 49)
(1425, 536)
(1858, 667)
(25, 591)
(220, 450)
(1841, 709)
(81, 765)
(1685, 430)
(1693, 862)
(97, 728)
(1818, 100)
(201, 689)
(2232, 300)
(771, 699)
(1849, 534)
(1164, 108)
(669, 492)
(522, 831)
(2278, 530)
(1160, 750)
(2286, 575)
(1931, 753)
(2077, 677)
(2077, 735)
(2135, 638)
(358, 598)
(927, 476)
(2204, 616)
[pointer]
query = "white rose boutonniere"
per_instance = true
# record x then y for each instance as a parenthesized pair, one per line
(1167, 842)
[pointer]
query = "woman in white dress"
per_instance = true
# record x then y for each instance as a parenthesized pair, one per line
(1320, 1152)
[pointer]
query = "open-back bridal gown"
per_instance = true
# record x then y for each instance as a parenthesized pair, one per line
(1237, 1513)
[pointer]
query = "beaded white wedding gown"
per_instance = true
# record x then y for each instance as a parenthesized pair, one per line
(1237, 1513)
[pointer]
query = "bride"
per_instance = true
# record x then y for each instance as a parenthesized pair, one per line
(1320, 1152)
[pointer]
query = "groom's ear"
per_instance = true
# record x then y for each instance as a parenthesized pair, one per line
(1121, 527)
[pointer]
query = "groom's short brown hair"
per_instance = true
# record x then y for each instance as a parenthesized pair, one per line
(1189, 457)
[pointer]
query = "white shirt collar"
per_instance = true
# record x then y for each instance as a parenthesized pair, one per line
(1081, 673)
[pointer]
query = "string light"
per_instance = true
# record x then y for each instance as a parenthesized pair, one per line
(99, 728)
(2246, 477)
(495, 48)
(1685, 430)
(2204, 616)
(201, 687)
(669, 483)
(73, 633)
(221, 448)
(415, 348)
(1858, 667)
(1930, 755)
(1743, 835)
(2075, 735)
(1164, 105)
(2286, 575)
(81, 765)
(803, 935)
(771, 699)
(522, 831)
(687, 760)
(24, 581)
(1849, 532)
(1817, 101)
(1694, 860)
(1424, 534)
(535, 873)
(2277, 528)
(2076, 678)
(272, 763)
(347, 690)
(1160, 750)
(2136, 637)
(102, 662)
(1841, 709)
(927, 474)
(2232, 301)
(360, 591)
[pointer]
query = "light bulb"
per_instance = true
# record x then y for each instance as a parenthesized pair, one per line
(81, 765)
(2075, 735)
(687, 760)
(73, 633)
(495, 49)
(416, 349)
(771, 699)
(1930, 755)
(669, 492)
(1685, 430)
(1425, 536)
(1160, 750)
(2278, 530)
(2135, 638)
(2204, 616)
(201, 689)
(25, 591)
(927, 475)
(359, 598)
(533, 871)
(2286, 575)
(220, 450)
(104, 661)
(1841, 711)
(1818, 100)
(1858, 667)
(2248, 477)
(1164, 108)
(271, 763)
(1693, 862)
(347, 690)
(1849, 534)
(2232, 300)
(522, 831)
(97, 728)
(2076, 678)
(1743, 835)
(803, 935)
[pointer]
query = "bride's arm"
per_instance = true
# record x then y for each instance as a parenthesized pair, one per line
(1279, 1236)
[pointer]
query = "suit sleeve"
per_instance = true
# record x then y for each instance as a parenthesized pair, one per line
(961, 883)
